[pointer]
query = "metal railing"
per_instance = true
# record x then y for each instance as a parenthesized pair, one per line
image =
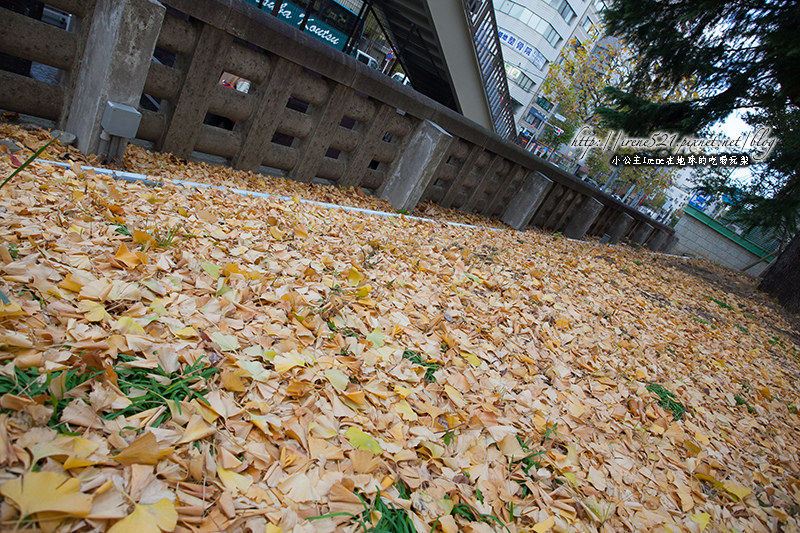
(483, 27)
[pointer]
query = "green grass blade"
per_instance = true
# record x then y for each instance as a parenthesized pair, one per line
(30, 160)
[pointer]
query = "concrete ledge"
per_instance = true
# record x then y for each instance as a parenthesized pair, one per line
(527, 201)
(413, 170)
(641, 233)
(582, 219)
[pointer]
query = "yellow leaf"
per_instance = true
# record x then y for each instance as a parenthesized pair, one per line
(226, 343)
(141, 237)
(455, 396)
(364, 291)
(211, 269)
(572, 478)
(736, 489)
(186, 333)
(50, 492)
(128, 326)
(153, 518)
(338, 379)
(285, 362)
(702, 519)
(361, 441)
(405, 411)
(143, 450)
(544, 525)
(471, 358)
(300, 231)
(376, 338)
(562, 323)
(196, 429)
(234, 482)
(10, 309)
(126, 257)
(354, 277)
(95, 311)
(71, 284)
(403, 391)
(276, 233)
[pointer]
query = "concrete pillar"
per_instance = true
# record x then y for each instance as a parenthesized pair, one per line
(657, 240)
(584, 217)
(526, 202)
(326, 120)
(641, 233)
(669, 244)
(114, 65)
(186, 116)
(461, 176)
(413, 169)
(259, 129)
(493, 167)
(359, 159)
(620, 227)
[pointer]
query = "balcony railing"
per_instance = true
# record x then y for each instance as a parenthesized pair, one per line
(483, 27)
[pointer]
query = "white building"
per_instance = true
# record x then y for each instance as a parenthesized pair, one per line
(533, 33)
(679, 192)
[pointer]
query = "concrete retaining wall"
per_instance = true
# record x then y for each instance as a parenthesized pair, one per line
(698, 239)
(311, 112)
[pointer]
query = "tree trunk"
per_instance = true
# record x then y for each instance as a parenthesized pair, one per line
(783, 278)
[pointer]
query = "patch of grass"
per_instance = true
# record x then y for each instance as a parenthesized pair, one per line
(28, 161)
(29, 383)
(469, 513)
(392, 519)
(367, 261)
(704, 322)
(165, 239)
(531, 463)
(448, 437)
(743, 329)
(741, 401)
(720, 303)
(667, 400)
(150, 388)
(430, 367)
(13, 251)
(122, 229)
(638, 263)
(402, 489)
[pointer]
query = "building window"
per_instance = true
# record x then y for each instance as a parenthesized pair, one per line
(519, 77)
(532, 20)
(525, 83)
(544, 103)
(564, 9)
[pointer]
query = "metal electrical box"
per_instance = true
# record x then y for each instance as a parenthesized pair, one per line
(121, 120)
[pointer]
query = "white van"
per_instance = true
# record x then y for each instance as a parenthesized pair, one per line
(367, 59)
(402, 78)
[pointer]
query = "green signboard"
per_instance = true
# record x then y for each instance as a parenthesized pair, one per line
(293, 15)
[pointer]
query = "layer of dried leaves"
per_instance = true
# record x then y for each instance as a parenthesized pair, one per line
(531, 392)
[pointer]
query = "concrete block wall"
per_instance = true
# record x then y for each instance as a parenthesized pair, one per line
(698, 240)
(314, 114)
